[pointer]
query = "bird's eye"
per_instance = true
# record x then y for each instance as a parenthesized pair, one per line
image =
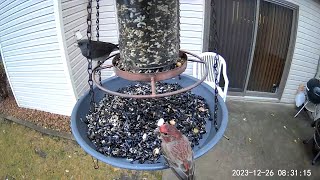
(165, 133)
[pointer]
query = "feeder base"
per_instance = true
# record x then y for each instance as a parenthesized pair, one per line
(211, 138)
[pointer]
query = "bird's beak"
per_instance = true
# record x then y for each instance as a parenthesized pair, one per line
(162, 129)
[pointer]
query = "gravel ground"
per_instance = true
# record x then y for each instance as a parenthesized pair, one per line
(52, 121)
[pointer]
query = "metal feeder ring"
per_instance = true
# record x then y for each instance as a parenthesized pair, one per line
(152, 77)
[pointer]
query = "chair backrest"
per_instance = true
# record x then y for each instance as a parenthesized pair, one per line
(208, 57)
(198, 72)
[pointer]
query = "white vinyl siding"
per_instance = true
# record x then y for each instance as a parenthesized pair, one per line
(307, 48)
(191, 28)
(32, 56)
(74, 15)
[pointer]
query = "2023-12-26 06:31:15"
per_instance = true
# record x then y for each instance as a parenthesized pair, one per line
(280, 172)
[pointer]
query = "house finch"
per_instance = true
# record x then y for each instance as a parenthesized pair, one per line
(177, 151)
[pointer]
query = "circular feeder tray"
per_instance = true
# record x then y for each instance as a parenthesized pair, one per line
(79, 127)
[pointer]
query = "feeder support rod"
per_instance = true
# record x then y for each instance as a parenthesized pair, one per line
(153, 86)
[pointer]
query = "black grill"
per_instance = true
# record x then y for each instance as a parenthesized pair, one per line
(316, 147)
(313, 90)
(315, 141)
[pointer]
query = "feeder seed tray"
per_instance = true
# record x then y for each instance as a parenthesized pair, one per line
(126, 127)
(79, 128)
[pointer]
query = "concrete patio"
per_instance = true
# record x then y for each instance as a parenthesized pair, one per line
(263, 136)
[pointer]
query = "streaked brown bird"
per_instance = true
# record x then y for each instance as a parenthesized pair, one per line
(177, 151)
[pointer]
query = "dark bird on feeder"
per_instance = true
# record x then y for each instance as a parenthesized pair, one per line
(100, 50)
(177, 151)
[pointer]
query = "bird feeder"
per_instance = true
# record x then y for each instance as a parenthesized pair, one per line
(211, 138)
(149, 51)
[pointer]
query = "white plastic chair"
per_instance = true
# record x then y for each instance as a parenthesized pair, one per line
(209, 58)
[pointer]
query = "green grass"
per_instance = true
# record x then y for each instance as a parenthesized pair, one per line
(27, 154)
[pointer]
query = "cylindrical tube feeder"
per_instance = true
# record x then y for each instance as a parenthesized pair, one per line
(149, 34)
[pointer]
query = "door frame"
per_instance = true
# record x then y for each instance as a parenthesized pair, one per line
(292, 42)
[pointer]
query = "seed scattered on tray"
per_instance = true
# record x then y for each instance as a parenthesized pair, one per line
(126, 127)
(172, 122)
(160, 122)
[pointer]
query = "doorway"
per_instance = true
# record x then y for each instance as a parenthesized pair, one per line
(256, 39)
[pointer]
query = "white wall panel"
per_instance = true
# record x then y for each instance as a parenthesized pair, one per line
(32, 56)
(74, 15)
(307, 48)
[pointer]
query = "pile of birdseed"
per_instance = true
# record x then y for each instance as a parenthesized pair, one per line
(125, 127)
